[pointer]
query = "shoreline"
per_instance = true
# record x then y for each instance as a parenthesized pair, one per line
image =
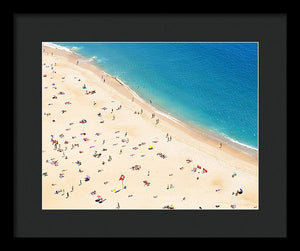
(229, 145)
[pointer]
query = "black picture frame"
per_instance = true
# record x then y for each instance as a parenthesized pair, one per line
(270, 30)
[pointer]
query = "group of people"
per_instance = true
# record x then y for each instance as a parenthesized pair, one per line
(99, 154)
(169, 138)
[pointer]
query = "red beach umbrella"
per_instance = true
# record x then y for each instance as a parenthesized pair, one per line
(122, 177)
(198, 166)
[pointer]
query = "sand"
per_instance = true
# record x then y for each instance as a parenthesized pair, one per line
(80, 124)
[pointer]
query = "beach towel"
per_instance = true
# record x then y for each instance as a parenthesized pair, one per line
(146, 183)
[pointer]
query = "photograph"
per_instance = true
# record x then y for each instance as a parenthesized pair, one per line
(150, 125)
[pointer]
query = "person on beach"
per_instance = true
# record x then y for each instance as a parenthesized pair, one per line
(220, 146)
(77, 62)
(157, 121)
(238, 192)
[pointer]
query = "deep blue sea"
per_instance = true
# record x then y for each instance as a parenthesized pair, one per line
(210, 85)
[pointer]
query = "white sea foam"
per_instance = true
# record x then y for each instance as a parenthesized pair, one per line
(169, 116)
(75, 48)
(86, 60)
(56, 46)
(239, 143)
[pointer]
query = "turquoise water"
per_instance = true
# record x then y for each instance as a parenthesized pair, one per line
(210, 85)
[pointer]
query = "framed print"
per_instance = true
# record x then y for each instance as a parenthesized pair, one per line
(119, 134)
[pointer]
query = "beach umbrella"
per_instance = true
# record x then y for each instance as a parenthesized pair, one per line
(198, 166)
(122, 177)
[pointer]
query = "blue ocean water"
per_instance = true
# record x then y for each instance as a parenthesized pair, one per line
(211, 85)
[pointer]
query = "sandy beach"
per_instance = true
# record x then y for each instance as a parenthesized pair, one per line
(103, 147)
